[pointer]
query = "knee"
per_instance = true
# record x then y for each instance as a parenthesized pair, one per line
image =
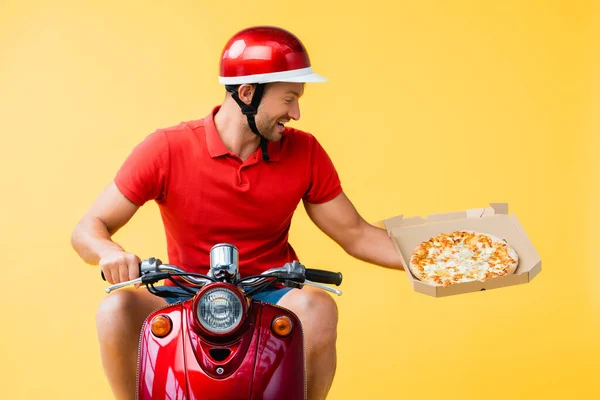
(320, 303)
(320, 314)
(115, 313)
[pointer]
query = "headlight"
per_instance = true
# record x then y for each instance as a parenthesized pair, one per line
(220, 311)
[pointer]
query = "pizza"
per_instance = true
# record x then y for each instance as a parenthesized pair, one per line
(462, 256)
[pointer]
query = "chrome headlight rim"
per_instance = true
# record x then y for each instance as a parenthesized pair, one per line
(206, 291)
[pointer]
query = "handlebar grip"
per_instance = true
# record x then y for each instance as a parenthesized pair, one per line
(321, 276)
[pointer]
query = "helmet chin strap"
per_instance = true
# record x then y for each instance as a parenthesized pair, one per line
(250, 110)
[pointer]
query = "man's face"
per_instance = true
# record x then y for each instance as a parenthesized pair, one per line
(279, 105)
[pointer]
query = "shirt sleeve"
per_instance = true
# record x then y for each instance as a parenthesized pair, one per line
(144, 174)
(325, 183)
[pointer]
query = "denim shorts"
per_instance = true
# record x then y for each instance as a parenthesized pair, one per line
(270, 295)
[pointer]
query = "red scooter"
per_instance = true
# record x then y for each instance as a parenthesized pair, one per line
(221, 343)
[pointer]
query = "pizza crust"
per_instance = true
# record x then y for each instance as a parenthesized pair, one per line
(462, 256)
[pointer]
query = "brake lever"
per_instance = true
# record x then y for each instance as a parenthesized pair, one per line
(324, 287)
(123, 284)
(149, 277)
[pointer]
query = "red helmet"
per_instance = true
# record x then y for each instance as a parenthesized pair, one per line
(264, 54)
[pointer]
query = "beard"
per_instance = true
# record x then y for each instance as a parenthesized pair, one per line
(269, 129)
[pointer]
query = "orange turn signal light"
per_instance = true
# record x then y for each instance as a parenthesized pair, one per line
(281, 326)
(161, 326)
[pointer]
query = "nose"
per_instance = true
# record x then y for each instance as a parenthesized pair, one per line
(295, 111)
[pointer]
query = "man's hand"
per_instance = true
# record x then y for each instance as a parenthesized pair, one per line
(120, 266)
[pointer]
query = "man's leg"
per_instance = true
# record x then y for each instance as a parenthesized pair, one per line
(318, 314)
(119, 321)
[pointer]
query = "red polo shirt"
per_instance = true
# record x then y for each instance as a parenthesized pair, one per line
(208, 195)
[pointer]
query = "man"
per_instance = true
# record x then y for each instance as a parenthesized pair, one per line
(235, 176)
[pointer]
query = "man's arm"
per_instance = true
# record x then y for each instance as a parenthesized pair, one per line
(339, 220)
(91, 238)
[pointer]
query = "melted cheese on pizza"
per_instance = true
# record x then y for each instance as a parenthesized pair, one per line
(462, 257)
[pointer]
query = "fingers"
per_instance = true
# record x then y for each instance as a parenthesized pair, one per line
(123, 269)
(133, 264)
(134, 269)
(120, 267)
(107, 270)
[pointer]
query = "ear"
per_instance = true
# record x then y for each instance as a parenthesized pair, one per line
(245, 93)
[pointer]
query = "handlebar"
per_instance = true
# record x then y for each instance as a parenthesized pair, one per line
(292, 274)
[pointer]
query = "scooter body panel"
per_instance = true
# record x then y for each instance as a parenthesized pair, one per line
(254, 363)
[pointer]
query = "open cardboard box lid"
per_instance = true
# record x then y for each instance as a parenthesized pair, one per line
(409, 232)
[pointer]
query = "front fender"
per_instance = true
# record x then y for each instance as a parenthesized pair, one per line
(161, 366)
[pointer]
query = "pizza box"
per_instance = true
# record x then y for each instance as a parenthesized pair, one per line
(407, 233)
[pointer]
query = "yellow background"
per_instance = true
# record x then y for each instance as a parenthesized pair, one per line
(432, 106)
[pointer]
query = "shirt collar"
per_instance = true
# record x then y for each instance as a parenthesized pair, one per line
(216, 147)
